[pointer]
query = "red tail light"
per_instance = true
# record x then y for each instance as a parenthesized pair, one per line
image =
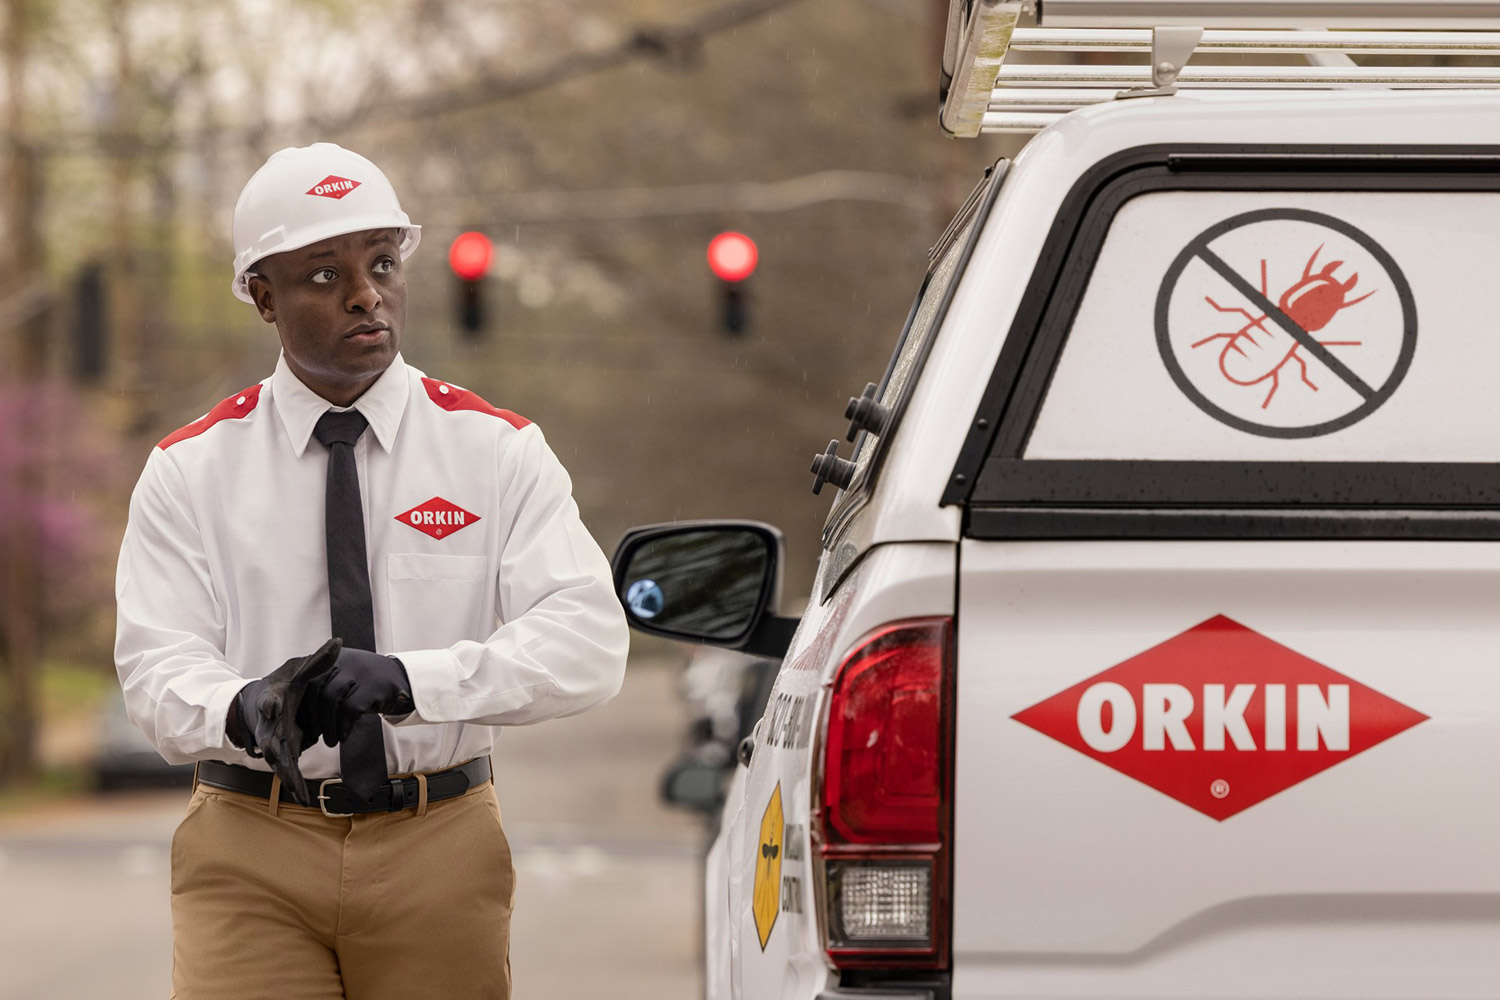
(886, 799)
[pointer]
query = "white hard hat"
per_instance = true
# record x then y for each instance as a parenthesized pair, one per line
(304, 194)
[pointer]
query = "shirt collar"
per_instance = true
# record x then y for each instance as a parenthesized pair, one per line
(382, 404)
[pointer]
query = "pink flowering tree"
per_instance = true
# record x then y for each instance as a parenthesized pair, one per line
(59, 475)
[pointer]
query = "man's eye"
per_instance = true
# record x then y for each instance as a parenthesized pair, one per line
(324, 275)
(385, 265)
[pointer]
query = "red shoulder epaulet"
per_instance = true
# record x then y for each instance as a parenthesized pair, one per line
(233, 408)
(451, 397)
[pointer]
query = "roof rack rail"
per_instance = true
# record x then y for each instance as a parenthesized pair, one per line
(985, 91)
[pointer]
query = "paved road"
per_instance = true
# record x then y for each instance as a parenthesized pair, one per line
(608, 879)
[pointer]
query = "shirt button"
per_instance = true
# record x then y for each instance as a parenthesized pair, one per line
(443, 389)
(240, 401)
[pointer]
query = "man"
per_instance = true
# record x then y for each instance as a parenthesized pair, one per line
(355, 553)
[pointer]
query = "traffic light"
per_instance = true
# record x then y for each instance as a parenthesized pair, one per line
(469, 256)
(732, 257)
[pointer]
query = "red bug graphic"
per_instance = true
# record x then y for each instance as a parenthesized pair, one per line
(1257, 352)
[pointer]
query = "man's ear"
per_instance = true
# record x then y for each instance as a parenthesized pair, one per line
(260, 294)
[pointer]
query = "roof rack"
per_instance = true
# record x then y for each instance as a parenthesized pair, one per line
(986, 90)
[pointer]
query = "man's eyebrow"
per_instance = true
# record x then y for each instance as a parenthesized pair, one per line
(379, 237)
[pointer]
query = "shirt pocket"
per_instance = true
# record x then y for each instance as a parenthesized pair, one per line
(438, 600)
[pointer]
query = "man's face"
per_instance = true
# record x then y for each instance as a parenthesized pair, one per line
(340, 308)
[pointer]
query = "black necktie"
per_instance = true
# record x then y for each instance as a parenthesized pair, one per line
(362, 753)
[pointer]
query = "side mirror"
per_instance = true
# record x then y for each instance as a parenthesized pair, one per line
(715, 582)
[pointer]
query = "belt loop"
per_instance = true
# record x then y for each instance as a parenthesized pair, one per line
(421, 794)
(196, 764)
(275, 794)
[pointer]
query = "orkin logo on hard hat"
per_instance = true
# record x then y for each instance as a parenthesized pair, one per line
(333, 186)
(1220, 717)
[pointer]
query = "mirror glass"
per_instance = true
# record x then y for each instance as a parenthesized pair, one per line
(704, 584)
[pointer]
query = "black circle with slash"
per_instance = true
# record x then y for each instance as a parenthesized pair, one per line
(1372, 396)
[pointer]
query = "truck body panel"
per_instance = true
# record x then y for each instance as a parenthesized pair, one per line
(1373, 877)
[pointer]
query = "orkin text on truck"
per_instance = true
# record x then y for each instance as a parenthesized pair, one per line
(1220, 717)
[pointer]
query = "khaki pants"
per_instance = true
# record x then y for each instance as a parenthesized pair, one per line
(291, 904)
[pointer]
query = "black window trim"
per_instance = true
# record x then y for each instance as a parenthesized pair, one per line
(1007, 496)
(977, 206)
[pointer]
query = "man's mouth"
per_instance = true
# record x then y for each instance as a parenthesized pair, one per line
(368, 333)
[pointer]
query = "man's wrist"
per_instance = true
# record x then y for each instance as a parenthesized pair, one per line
(404, 704)
(234, 725)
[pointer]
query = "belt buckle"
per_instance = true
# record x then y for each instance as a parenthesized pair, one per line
(323, 799)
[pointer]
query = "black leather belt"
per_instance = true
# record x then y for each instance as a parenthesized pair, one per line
(336, 800)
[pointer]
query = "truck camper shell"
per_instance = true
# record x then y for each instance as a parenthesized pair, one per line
(1029, 251)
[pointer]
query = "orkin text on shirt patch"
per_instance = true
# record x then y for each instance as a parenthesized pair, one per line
(333, 186)
(438, 518)
(1220, 717)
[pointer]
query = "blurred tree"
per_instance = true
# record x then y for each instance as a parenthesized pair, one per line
(24, 331)
(57, 467)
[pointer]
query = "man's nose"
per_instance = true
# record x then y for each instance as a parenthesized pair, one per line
(364, 296)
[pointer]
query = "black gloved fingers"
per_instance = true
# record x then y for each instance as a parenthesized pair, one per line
(326, 712)
(284, 763)
(365, 699)
(274, 719)
(309, 738)
(311, 715)
(242, 731)
(350, 713)
(268, 705)
(330, 706)
(322, 659)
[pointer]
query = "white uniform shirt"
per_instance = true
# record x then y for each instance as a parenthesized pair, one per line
(486, 584)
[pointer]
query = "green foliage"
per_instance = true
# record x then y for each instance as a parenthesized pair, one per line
(70, 689)
(49, 785)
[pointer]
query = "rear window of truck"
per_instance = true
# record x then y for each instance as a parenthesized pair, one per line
(1279, 345)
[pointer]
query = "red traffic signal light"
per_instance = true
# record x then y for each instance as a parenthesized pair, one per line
(732, 256)
(469, 255)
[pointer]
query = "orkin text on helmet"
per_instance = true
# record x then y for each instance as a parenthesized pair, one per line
(1220, 717)
(333, 186)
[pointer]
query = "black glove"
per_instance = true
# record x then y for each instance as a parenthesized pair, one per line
(361, 682)
(269, 715)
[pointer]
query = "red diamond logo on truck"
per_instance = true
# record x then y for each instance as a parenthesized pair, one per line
(333, 186)
(1220, 717)
(438, 518)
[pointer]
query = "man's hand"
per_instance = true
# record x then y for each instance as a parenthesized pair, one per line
(360, 683)
(269, 715)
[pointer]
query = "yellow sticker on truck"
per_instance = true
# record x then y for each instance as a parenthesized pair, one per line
(767, 898)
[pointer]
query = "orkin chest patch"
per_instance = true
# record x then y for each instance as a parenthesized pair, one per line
(333, 186)
(1220, 717)
(438, 518)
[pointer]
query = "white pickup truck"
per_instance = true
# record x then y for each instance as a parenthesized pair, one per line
(1155, 646)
